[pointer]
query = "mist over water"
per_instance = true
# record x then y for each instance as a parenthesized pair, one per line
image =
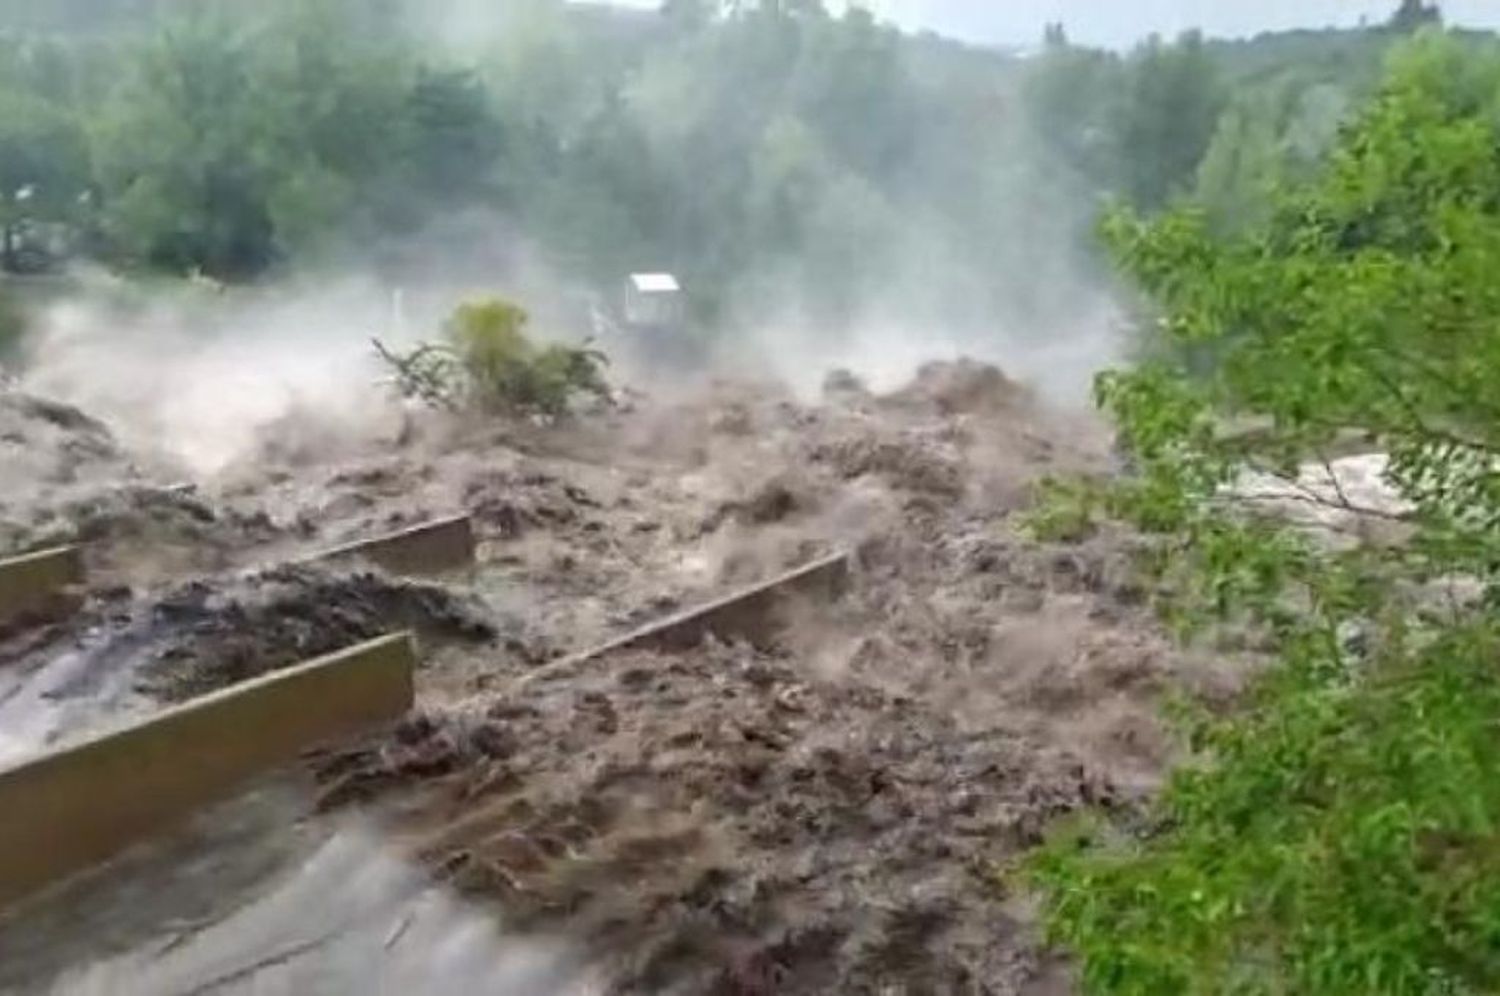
(194, 382)
(829, 192)
(1058, 361)
(201, 381)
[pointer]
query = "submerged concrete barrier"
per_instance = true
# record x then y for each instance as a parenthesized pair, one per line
(750, 614)
(432, 548)
(69, 810)
(39, 583)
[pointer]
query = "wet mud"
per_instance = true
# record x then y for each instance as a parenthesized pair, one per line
(832, 810)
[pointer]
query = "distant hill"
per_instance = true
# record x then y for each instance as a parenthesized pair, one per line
(1330, 53)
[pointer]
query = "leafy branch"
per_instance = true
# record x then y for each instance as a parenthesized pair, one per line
(429, 373)
(1340, 833)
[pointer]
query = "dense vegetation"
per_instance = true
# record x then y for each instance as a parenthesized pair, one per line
(1341, 832)
(776, 152)
(771, 154)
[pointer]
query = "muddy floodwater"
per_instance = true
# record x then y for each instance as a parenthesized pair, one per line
(830, 809)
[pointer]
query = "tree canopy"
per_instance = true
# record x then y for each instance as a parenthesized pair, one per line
(761, 150)
(1337, 834)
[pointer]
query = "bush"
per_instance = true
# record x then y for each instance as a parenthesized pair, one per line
(485, 361)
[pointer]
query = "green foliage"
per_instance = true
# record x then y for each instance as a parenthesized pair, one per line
(1072, 96)
(1360, 306)
(429, 372)
(1172, 104)
(44, 171)
(453, 136)
(1343, 841)
(1413, 15)
(1267, 137)
(234, 141)
(184, 156)
(1341, 832)
(487, 362)
(1064, 510)
(1137, 126)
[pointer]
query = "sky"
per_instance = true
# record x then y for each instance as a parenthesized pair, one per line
(1121, 23)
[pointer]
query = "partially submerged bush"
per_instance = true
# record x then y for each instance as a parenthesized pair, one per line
(485, 361)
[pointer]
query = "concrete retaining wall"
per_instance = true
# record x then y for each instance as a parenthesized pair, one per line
(433, 548)
(39, 583)
(79, 806)
(751, 615)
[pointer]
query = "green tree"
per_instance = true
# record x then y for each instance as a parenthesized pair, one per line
(454, 139)
(852, 87)
(331, 100)
(1338, 834)
(186, 157)
(1170, 108)
(1072, 96)
(1413, 15)
(236, 143)
(605, 209)
(1245, 162)
(487, 362)
(44, 171)
(1268, 135)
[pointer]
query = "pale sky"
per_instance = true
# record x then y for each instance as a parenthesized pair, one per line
(1119, 23)
(1122, 22)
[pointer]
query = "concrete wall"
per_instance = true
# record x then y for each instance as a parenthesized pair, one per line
(39, 583)
(77, 807)
(433, 548)
(752, 615)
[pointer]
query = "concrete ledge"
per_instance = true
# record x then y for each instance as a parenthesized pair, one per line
(749, 615)
(433, 548)
(39, 583)
(77, 807)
